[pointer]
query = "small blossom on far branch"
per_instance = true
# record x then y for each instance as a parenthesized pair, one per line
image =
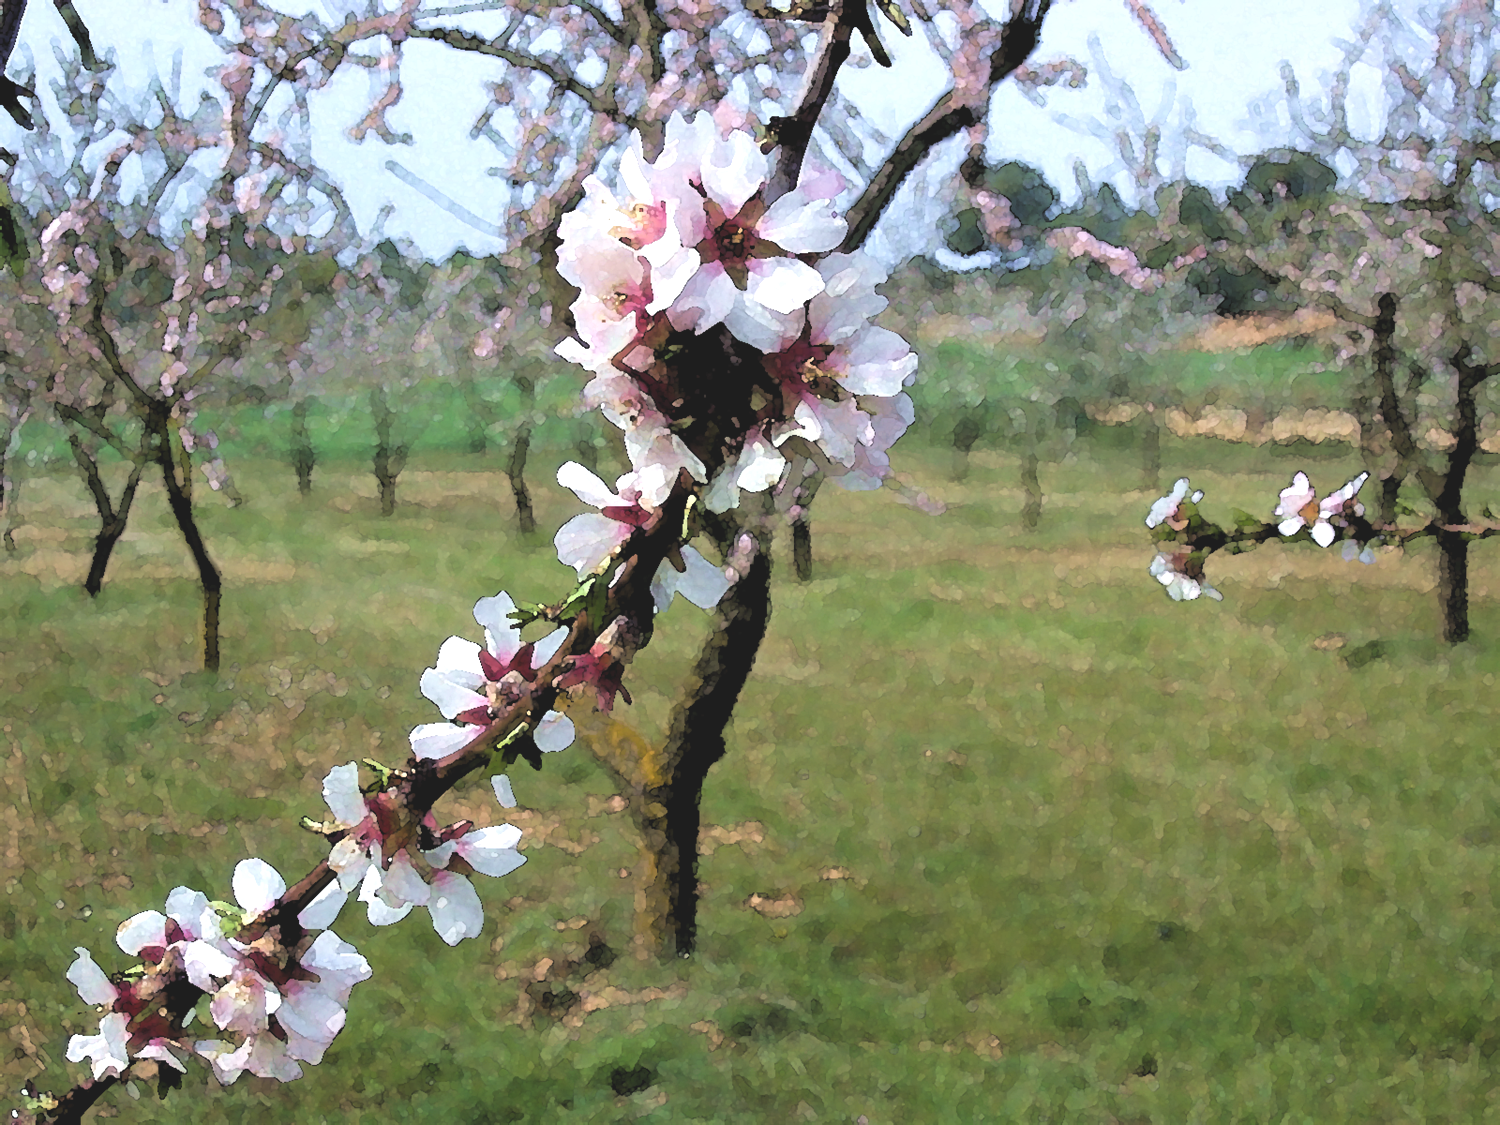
(1166, 510)
(1182, 575)
(1299, 508)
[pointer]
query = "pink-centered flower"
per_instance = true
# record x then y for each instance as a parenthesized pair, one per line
(361, 845)
(1165, 510)
(834, 374)
(751, 280)
(471, 684)
(454, 905)
(1299, 508)
(585, 541)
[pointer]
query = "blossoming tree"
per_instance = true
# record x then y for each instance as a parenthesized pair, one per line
(724, 316)
(1405, 258)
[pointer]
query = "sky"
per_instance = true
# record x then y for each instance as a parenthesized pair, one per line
(1234, 52)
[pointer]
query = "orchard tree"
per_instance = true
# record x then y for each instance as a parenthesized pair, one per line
(724, 315)
(1404, 255)
(150, 278)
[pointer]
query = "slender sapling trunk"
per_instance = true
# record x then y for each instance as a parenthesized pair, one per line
(180, 500)
(304, 457)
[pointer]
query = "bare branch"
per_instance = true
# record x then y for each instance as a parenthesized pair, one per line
(1018, 39)
(600, 101)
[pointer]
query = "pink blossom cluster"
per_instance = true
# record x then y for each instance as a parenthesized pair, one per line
(273, 1006)
(397, 869)
(710, 311)
(471, 684)
(1179, 567)
(281, 1007)
(1300, 507)
(1075, 242)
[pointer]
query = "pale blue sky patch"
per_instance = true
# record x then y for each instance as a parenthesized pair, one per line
(1234, 53)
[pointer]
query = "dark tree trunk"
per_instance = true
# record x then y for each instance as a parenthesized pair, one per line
(802, 544)
(180, 500)
(665, 786)
(1390, 489)
(1453, 585)
(1453, 547)
(1031, 511)
(670, 815)
(390, 456)
(304, 457)
(966, 434)
(113, 517)
(802, 548)
(515, 466)
(1151, 453)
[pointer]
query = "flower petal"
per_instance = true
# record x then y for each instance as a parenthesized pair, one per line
(783, 285)
(702, 583)
(492, 851)
(431, 741)
(341, 792)
(380, 913)
(553, 733)
(546, 648)
(323, 911)
(450, 698)
(257, 885)
(503, 791)
(203, 963)
(455, 907)
(107, 1050)
(89, 979)
(587, 487)
(585, 541)
(458, 661)
(501, 636)
(146, 930)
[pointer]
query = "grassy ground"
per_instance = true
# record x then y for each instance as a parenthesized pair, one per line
(1030, 842)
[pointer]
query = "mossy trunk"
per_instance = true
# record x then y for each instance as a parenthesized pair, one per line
(304, 457)
(1151, 452)
(515, 465)
(390, 455)
(1031, 486)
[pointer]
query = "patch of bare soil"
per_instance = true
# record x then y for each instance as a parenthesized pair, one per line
(1226, 334)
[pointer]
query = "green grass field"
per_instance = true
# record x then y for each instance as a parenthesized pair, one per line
(1033, 842)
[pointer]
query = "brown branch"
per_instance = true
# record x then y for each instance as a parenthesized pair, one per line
(1018, 39)
(11, 93)
(650, 36)
(1396, 421)
(794, 133)
(600, 101)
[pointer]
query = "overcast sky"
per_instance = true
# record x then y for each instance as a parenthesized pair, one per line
(1234, 51)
